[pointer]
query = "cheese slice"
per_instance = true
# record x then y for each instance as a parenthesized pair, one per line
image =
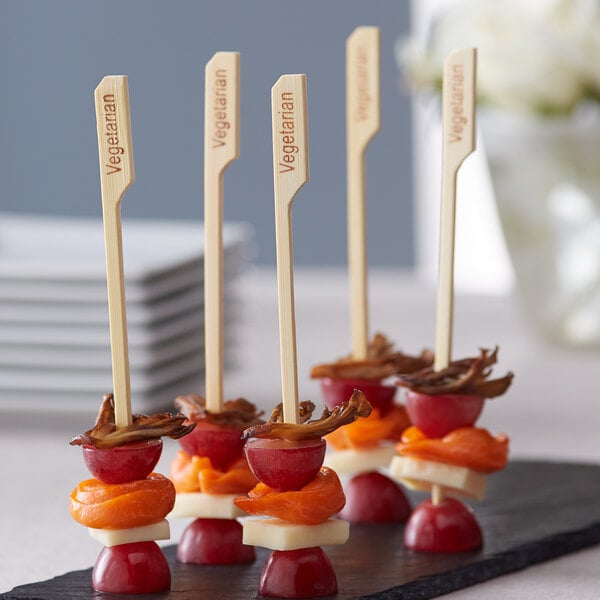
(351, 462)
(146, 533)
(419, 474)
(276, 534)
(205, 506)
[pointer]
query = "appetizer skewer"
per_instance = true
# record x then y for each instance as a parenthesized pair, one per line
(363, 121)
(366, 446)
(286, 454)
(221, 148)
(442, 452)
(124, 506)
(300, 496)
(210, 469)
(208, 473)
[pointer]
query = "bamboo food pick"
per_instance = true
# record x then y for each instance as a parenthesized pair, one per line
(362, 123)
(290, 173)
(115, 151)
(458, 141)
(221, 147)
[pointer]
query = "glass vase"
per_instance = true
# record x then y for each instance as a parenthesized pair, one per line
(546, 178)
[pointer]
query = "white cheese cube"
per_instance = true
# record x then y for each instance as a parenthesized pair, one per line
(351, 462)
(146, 533)
(419, 474)
(276, 534)
(205, 506)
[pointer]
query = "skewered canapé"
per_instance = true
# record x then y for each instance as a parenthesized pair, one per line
(444, 449)
(208, 473)
(367, 445)
(300, 495)
(124, 506)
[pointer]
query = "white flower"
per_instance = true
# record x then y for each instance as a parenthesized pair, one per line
(533, 56)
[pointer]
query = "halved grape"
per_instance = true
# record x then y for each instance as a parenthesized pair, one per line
(285, 465)
(122, 463)
(222, 446)
(446, 527)
(214, 542)
(336, 391)
(436, 416)
(138, 568)
(374, 498)
(305, 573)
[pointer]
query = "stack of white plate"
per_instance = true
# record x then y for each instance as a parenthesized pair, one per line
(54, 333)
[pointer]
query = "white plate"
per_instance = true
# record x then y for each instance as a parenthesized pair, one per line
(58, 249)
(91, 358)
(95, 357)
(76, 313)
(95, 292)
(80, 380)
(90, 335)
(27, 400)
(138, 314)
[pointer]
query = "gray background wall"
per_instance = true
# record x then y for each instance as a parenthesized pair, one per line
(53, 53)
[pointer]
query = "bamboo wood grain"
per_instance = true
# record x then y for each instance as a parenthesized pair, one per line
(115, 150)
(458, 131)
(362, 123)
(221, 147)
(458, 141)
(290, 173)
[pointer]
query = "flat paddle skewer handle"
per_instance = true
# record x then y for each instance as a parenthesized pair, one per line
(290, 173)
(363, 121)
(115, 151)
(458, 104)
(221, 147)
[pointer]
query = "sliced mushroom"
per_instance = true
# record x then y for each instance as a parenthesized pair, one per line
(105, 434)
(344, 414)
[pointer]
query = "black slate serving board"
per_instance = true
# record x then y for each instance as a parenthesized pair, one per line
(534, 511)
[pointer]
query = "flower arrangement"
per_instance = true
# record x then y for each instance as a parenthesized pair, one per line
(535, 57)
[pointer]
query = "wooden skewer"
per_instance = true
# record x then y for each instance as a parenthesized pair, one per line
(362, 123)
(458, 105)
(458, 141)
(290, 173)
(221, 147)
(437, 494)
(115, 151)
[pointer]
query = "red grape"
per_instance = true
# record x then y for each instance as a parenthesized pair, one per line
(122, 463)
(139, 568)
(214, 542)
(285, 465)
(336, 391)
(447, 527)
(374, 498)
(222, 446)
(304, 573)
(436, 416)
